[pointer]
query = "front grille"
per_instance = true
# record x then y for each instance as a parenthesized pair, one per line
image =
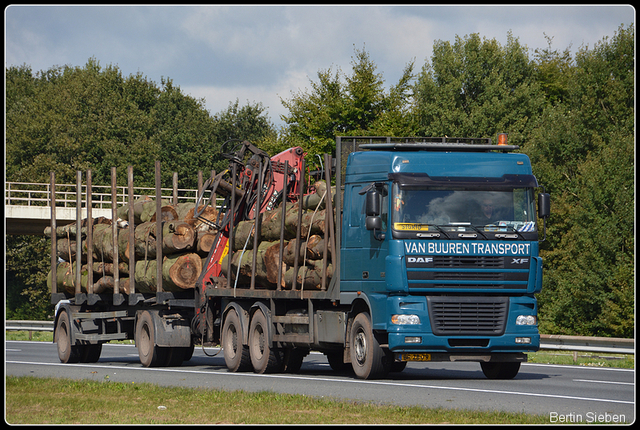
(468, 316)
(462, 261)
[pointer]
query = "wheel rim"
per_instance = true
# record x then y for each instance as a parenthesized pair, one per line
(259, 342)
(231, 341)
(360, 344)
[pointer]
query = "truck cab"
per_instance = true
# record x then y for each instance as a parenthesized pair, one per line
(440, 239)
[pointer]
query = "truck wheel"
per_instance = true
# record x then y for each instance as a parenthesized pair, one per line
(66, 352)
(174, 356)
(264, 358)
(293, 358)
(367, 357)
(188, 351)
(91, 353)
(150, 354)
(506, 370)
(236, 355)
(336, 362)
(398, 366)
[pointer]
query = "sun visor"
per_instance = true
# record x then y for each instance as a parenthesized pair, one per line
(424, 180)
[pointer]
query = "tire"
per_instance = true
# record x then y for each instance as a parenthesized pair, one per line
(188, 352)
(90, 353)
(398, 366)
(67, 353)
(367, 357)
(264, 358)
(174, 356)
(337, 363)
(236, 355)
(150, 354)
(497, 370)
(293, 358)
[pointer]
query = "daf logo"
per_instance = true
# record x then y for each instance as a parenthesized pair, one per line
(520, 260)
(420, 260)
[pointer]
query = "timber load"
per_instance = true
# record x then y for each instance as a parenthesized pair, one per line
(186, 245)
(276, 265)
(186, 240)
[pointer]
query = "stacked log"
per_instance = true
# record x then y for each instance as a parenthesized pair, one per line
(185, 241)
(310, 249)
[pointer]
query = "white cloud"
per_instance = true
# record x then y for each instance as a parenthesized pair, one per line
(263, 53)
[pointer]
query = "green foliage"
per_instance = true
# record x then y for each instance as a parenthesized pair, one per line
(28, 262)
(354, 106)
(582, 149)
(476, 88)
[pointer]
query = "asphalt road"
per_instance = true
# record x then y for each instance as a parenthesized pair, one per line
(561, 393)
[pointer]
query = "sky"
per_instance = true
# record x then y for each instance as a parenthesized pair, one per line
(263, 54)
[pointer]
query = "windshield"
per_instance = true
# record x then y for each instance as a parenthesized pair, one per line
(416, 208)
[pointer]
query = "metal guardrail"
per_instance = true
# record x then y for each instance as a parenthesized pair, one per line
(587, 344)
(28, 325)
(547, 341)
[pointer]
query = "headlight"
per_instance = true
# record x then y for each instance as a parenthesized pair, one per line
(526, 320)
(403, 319)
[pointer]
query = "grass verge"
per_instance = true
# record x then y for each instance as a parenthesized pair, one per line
(32, 400)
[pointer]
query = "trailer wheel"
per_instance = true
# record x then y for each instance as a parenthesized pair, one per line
(264, 358)
(174, 356)
(90, 353)
(150, 354)
(293, 358)
(236, 355)
(188, 352)
(367, 357)
(66, 352)
(496, 370)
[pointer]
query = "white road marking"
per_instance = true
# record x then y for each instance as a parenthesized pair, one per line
(347, 381)
(603, 382)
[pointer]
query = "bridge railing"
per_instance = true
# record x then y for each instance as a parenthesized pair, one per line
(39, 194)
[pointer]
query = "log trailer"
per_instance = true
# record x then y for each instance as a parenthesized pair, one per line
(431, 255)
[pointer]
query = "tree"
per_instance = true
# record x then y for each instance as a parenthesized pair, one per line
(357, 105)
(553, 71)
(582, 148)
(477, 88)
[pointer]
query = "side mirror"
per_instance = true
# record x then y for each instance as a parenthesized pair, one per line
(544, 210)
(372, 210)
(544, 205)
(373, 223)
(372, 203)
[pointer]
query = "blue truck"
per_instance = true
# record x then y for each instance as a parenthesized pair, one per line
(447, 265)
(431, 255)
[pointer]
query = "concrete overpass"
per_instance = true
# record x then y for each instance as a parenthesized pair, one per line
(27, 207)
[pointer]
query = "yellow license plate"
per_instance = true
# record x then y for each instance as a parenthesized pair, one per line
(416, 357)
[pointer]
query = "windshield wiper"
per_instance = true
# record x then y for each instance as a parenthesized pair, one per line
(499, 235)
(514, 230)
(441, 230)
(479, 231)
